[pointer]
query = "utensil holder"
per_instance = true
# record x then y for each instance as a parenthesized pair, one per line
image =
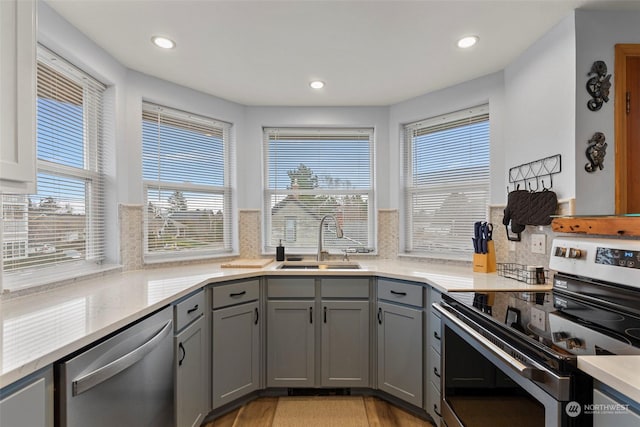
(485, 263)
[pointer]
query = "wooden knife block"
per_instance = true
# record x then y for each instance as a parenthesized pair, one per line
(485, 263)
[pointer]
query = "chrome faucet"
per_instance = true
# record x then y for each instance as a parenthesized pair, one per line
(339, 234)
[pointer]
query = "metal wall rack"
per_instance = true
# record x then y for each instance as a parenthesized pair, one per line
(536, 175)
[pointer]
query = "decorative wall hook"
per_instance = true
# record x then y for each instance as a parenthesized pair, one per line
(598, 86)
(595, 152)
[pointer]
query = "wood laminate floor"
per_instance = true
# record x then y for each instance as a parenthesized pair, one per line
(261, 412)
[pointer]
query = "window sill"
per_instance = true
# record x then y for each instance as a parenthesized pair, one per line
(38, 280)
(166, 258)
(442, 259)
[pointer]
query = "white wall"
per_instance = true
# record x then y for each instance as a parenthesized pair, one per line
(597, 33)
(538, 108)
(540, 105)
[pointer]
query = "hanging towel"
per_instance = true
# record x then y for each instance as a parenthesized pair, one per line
(529, 208)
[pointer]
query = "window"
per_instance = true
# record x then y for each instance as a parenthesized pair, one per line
(63, 223)
(446, 182)
(312, 172)
(186, 170)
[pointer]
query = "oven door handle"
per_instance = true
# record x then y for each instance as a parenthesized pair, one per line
(524, 370)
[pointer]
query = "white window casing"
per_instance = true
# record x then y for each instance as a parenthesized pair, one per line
(186, 166)
(313, 172)
(446, 184)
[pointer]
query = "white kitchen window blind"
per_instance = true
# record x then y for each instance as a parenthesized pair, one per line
(446, 182)
(63, 223)
(186, 169)
(312, 172)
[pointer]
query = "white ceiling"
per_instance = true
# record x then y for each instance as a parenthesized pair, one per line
(368, 52)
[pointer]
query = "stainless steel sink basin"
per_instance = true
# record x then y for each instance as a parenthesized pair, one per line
(319, 265)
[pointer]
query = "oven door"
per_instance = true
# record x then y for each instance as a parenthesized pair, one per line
(484, 384)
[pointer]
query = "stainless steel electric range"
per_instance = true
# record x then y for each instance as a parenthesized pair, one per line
(500, 370)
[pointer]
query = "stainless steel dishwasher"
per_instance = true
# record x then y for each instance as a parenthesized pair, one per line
(125, 380)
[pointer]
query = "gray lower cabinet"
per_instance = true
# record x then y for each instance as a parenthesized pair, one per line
(318, 332)
(236, 344)
(433, 330)
(400, 351)
(29, 402)
(190, 342)
(620, 410)
(345, 344)
(290, 343)
(190, 386)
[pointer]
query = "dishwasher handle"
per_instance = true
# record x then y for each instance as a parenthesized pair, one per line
(92, 379)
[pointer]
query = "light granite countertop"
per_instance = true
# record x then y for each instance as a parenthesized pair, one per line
(41, 328)
(618, 372)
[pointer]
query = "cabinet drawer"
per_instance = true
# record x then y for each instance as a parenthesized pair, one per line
(291, 287)
(188, 310)
(401, 292)
(435, 331)
(434, 367)
(236, 293)
(433, 403)
(344, 287)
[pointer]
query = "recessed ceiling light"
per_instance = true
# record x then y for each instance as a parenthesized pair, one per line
(467, 42)
(317, 84)
(163, 42)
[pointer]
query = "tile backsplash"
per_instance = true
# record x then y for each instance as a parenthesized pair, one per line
(250, 232)
(521, 253)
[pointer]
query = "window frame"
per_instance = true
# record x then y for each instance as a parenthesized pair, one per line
(268, 193)
(226, 192)
(409, 190)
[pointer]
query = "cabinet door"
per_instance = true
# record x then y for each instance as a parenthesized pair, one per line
(17, 96)
(190, 391)
(620, 416)
(30, 405)
(290, 344)
(235, 352)
(400, 351)
(345, 344)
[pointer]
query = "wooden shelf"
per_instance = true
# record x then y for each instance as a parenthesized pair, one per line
(603, 225)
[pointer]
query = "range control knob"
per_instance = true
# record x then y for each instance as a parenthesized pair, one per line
(560, 336)
(573, 343)
(560, 251)
(575, 253)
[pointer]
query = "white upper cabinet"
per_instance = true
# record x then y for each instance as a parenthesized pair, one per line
(18, 96)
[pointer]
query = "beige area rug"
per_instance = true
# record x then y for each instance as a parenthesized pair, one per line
(324, 411)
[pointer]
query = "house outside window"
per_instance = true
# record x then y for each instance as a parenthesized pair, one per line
(186, 167)
(61, 226)
(446, 182)
(313, 172)
(290, 229)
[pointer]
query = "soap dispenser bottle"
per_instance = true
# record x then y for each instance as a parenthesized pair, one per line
(280, 252)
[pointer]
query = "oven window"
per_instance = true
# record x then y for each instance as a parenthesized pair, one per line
(480, 394)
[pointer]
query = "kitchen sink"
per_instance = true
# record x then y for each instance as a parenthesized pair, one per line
(319, 265)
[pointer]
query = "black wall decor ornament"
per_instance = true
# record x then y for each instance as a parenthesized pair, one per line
(596, 151)
(598, 86)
